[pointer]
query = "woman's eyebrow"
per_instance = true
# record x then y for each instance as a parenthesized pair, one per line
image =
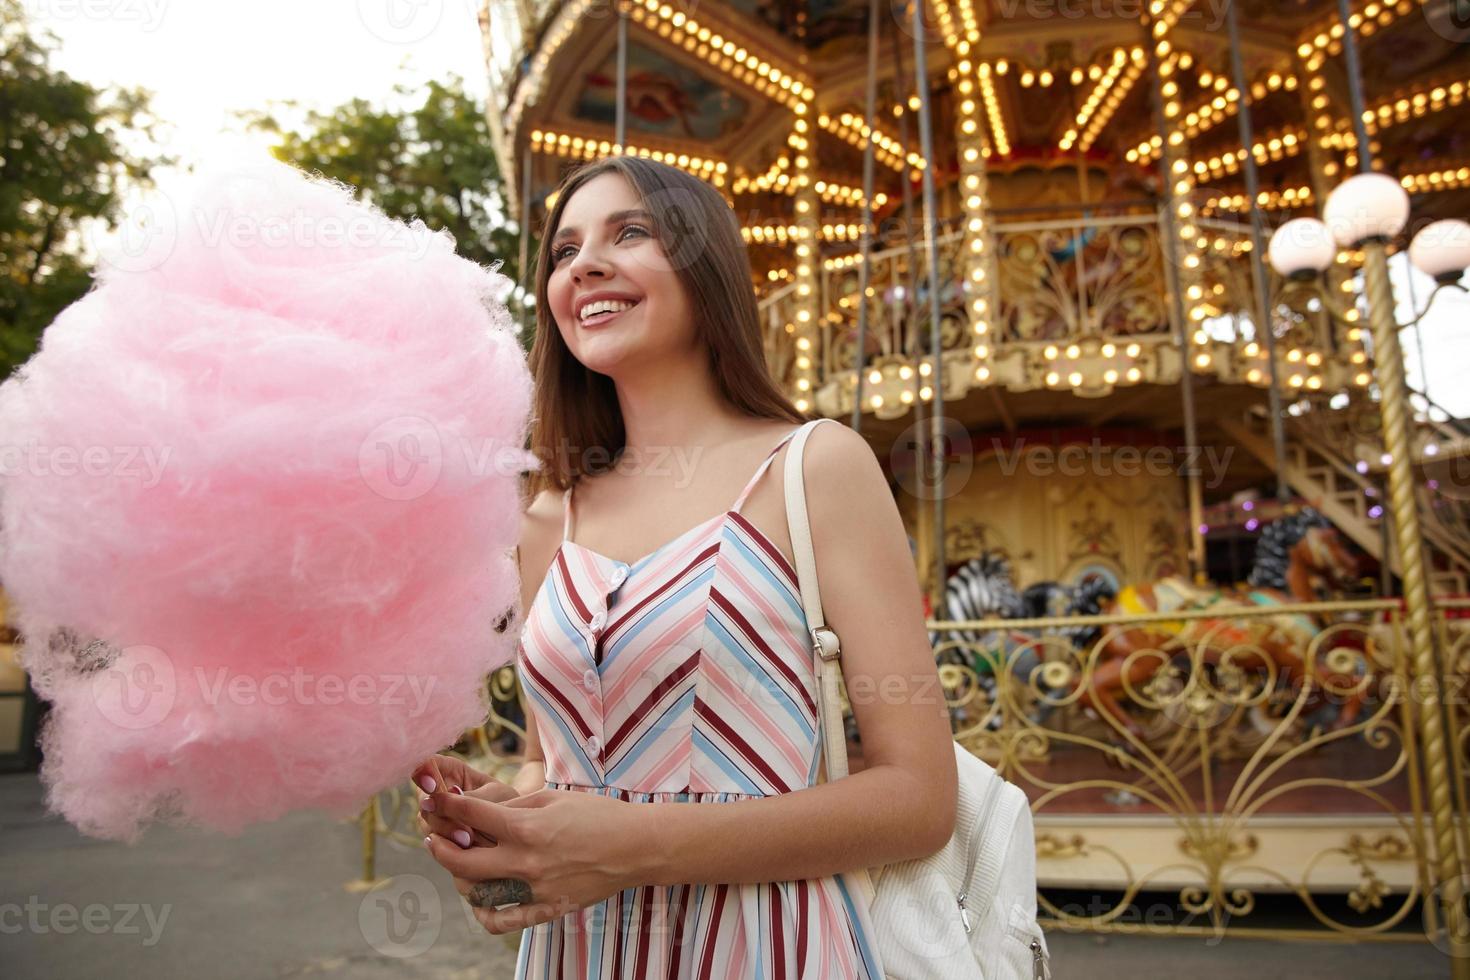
(569, 231)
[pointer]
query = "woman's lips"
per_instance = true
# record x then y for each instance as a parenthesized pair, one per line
(602, 319)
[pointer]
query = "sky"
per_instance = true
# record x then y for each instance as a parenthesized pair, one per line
(204, 59)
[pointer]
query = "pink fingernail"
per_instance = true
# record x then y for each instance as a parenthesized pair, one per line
(426, 783)
(461, 837)
(428, 842)
(427, 804)
(456, 789)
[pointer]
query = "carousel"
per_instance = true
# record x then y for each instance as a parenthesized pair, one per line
(1116, 292)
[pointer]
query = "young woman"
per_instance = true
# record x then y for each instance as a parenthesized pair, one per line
(656, 829)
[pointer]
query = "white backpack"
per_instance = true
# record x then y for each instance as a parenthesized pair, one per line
(968, 911)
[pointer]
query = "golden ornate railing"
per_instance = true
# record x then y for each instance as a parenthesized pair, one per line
(1210, 757)
(1214, 757)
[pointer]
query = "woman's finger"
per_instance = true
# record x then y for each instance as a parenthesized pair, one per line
(475, 863)
(497, 820)
(447, 771)
(464, 836)
(516, 917)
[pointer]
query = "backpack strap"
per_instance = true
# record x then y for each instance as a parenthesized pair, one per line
(826, 647)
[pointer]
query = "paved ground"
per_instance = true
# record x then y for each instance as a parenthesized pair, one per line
(271, 903)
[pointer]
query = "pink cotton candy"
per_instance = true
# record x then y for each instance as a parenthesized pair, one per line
(257, 504)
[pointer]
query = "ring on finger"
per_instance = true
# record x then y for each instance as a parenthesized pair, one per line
(494, 892)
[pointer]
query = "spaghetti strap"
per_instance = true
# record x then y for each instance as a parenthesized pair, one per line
(765, 464)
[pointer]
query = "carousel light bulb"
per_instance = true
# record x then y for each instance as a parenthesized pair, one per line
(1365, 207)
(1442, 250)
(1301, 248)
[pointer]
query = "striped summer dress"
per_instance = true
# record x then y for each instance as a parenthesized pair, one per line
(685, 676)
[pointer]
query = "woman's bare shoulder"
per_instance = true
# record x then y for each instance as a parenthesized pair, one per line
(541, 528)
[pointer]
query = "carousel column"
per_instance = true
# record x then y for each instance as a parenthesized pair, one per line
(1440, 774)
(1326, 172)
(981, 283)
(1430, 675)
(1182, 250)
(808, 338)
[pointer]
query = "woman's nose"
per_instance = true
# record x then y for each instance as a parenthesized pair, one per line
(587, 263)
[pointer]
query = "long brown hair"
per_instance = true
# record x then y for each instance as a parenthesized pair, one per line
(576, 409)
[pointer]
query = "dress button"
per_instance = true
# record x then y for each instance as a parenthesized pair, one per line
(589, 680)
(598, 618)
(594, 745)
(619, 577)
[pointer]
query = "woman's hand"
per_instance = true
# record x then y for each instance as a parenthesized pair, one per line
(442, 773)
(569, 849)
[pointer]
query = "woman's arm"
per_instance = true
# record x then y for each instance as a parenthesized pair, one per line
(539, 531)
(902, 804)
(531, 776)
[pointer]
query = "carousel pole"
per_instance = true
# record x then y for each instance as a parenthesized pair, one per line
(907, 315)
(620, 125)
(1186, 373)
(1429, 679)
(527, 318)
(931, 249)
(1262, 312)
(866, 244)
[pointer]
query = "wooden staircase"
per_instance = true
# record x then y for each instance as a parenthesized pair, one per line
(1334, 461)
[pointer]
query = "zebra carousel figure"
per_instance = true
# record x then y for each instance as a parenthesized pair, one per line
(985, 588)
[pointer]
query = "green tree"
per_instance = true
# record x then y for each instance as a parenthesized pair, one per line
(434, 162)
(64, 171)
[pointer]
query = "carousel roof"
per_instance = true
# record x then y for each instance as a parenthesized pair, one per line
(1061, 85)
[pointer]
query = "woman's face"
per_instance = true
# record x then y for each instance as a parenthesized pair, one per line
(604, 250)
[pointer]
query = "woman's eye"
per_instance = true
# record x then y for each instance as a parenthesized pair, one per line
(560, 253)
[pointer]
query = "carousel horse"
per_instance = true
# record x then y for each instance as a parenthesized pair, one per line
(1056, 599)
(1295, 557)
(984, 588)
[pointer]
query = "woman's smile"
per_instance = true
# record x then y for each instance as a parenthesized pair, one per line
(602, 312)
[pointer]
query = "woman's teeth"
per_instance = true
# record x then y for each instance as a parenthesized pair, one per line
(595, 314)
